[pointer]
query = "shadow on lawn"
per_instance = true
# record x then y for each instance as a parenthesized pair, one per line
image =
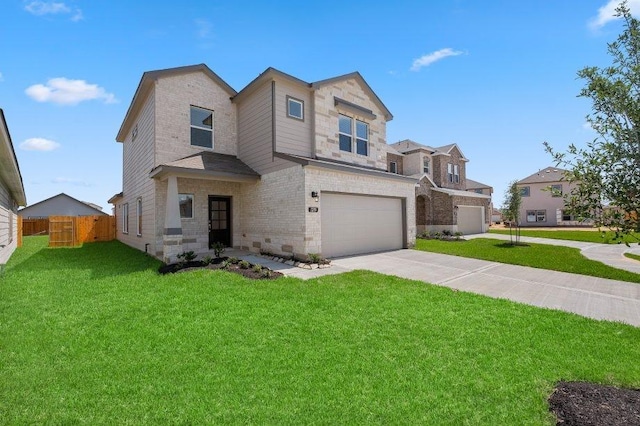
(103, 259)
(510, 245)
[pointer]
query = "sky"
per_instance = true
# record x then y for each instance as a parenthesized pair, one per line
(498, 77)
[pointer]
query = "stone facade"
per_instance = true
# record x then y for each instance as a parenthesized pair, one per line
(398, 159)
(440, 176)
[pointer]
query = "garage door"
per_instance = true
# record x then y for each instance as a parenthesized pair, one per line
(470, 219)
(353, 224)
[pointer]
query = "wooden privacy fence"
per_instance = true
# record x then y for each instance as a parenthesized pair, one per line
(35, 227)
(66, 231)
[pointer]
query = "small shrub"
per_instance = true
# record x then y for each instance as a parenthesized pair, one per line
(257, 268)
(446, 233)
(218, 248)
(226, 264)
(244, 264)
(234, 260)
(186, 256)
(314, 257)
(458, 235)
(266, 273)
(207, 260)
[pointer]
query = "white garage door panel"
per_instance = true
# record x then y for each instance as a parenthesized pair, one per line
(354, 224)
(470, 219)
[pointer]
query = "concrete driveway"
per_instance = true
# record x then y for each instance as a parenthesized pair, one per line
(584, 295)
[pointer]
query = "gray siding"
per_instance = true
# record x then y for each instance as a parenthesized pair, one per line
(5, 198)
(255, 146)
(138, 160)
(293, 136)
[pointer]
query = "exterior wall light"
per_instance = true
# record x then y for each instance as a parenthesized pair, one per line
(314, 195)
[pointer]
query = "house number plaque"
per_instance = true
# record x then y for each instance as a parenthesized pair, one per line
(313, 210)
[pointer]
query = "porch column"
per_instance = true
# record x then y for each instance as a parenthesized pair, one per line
(172, 233)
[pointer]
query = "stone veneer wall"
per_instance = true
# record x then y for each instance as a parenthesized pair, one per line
(398, 160)
(440, 170)
(326, 124)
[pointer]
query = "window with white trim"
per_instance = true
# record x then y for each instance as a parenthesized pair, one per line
(125, 218)
(525, 191)
(201, 127)
(295, 108)
(139, 216)
(393, 167)
(450, 172)
(456, 173)
(186, 206)
(426, 165)
(536, 216)
(346, 133)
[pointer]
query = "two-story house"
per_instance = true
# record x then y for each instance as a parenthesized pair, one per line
(11, 193)
(283, 166)
(543, 199)
(443, 199)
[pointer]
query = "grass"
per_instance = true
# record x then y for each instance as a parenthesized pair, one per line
(632, 256)
(543, 256)
(95, 336)
(591, 236)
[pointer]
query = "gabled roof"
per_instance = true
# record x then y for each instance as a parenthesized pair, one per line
(446, 150)
(407, 146)
(472, 184)
(9, 168)
(267, 75)
(358, 77)
(69, 201)
(146, 84)
(546, 175)
(211, 164)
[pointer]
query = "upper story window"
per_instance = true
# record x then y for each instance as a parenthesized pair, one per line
(201, 127)
(426, 165)
(453, 173)
(295, 108)
(556, 190)
(134, 133)
(393, 167)
(346, 131)
(525, 191)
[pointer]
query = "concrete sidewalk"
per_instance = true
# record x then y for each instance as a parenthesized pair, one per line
(609, 254)
(584, 295)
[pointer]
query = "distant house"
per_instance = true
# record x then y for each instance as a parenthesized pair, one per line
(543, 200)
(59, 205)
(444, 201)
(11, 193)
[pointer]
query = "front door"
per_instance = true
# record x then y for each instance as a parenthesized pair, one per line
(219, 220)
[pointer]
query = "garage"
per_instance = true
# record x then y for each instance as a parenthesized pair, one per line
(353, 224)
(470, 219)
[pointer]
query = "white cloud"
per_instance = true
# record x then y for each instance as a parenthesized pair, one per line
(607, 12)
(203, 28)
(39, 144)
(40, 8)
(69, 181)
(68, 92)
(426, 60)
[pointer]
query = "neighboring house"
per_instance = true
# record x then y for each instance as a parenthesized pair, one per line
(11, 193)
(443, 199)
(496, 216)
(543, 201)
(282, 166)
(60, 205)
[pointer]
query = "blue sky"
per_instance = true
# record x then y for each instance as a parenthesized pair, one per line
(496, 77)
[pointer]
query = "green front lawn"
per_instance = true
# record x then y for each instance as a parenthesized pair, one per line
(95, 336)
(556, 258)
(632, 256)
(592, 236)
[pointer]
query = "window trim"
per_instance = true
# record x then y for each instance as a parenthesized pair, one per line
(393, 167)
(125, 218)
(194, 126)
(525, 191)
(296, 100)
(536, 214)
(556, 190)
(139, 216)
(450, 172)
(456, 173)
(340, 132)
(358, 139)
(189, 194)
(427, 161)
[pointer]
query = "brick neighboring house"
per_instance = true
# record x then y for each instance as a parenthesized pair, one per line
(444, 199)
(543, 201)
(283, 165)
(12, 193)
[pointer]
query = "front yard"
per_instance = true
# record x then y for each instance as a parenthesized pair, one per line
(96, 336)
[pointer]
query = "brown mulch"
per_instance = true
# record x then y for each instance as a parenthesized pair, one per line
(217, 264)
(586, 404)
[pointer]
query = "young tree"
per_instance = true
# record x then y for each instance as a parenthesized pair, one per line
(606, 174)
(511, 209)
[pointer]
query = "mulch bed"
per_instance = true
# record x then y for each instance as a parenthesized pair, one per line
(586, 404)
(217, 263)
